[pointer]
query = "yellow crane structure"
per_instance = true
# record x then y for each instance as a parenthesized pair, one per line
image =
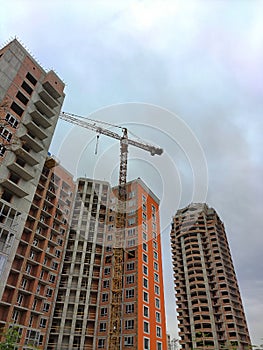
(118, 250)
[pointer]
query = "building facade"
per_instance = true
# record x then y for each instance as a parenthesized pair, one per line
(74, 319)
(210, 310)
(143, 313)
(30, 102)
(30, 290)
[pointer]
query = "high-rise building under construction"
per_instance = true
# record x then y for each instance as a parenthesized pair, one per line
(210, 310)
(30, 102)
(82, 313)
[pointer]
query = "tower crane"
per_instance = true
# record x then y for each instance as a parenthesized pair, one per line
(118, 250)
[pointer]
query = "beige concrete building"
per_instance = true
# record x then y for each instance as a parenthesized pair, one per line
(210, 310)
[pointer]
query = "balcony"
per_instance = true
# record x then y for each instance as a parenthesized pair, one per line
(20, 151)
(41, 119)
(35, 129)
(34, 143)
(44, 108)
(48, 99)
(14, 188)
(49, 88)
(22, 172)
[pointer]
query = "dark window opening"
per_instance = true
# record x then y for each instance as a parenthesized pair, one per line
(27, 88)
(17, 109)
(7, 196)
(31, 78)
(14, 178)
(2, 150)
(22, 98)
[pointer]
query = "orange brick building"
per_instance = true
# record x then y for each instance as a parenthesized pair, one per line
(28, 297)
(143, 311)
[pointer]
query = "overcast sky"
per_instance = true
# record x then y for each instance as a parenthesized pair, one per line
(185, 75)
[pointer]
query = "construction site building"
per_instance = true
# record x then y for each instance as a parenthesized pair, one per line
(75, 314)
(30, 103)
(210, 310)
(143, 311)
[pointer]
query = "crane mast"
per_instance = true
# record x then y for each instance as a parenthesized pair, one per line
(118, 250)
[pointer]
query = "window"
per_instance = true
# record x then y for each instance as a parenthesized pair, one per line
(17, 109)
(108, 248)
(145, 296)
(146, 327)
(46, 307)
(32, 254)
(129, 308)
(57, 253)
(128, 341)
(5, 133)
(154, 234)
(144, 257)
(104, 311)
(129, 324)
(158, 316)
(157, 303)
(156, 289)
(54, 265)
(158, 332)
(129, 293)
(20, 298)
(106, 270)
(144, 198)
(60, 241)
(130, 279)
(144, 236)
(146, 344)
(154, 226)
(131, 221)
(52, 278)
(43, 323)
(30, 77)
(155, 266)
(144, 226)
(156, 277)
(15, 316)
(159, 346)
(145, 311)
(101, 343)
(49, 292)
(103, 326)
(131, 194)
(23, 283)
(106, 284)
(105, 297)
(131, 232)
(145, 282)
(130, 266)
(145, 270)
(21, 97)
(131, 243)
(155, 245)
(144, 246)
(2, 150)
(144, 216)
(11, 120)
(155, 255)
(27, 88)
(28, 268)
